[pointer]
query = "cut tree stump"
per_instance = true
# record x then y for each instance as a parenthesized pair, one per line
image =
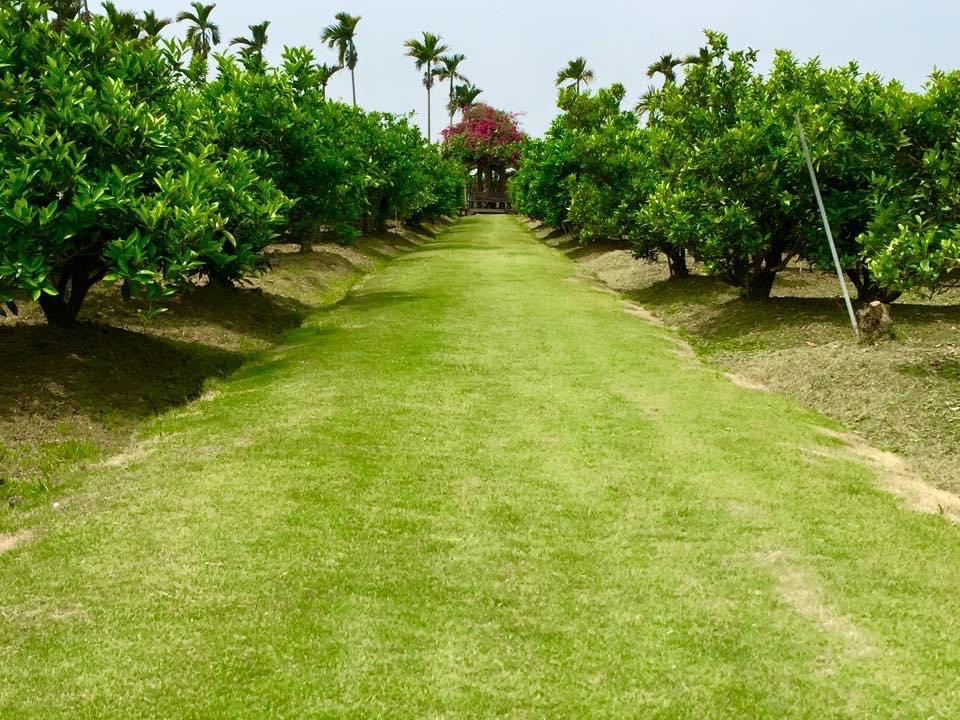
(875, 322)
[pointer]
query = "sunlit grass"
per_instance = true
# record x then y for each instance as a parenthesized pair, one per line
(477, 488)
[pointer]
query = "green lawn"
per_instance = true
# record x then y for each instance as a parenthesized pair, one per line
(479, 488)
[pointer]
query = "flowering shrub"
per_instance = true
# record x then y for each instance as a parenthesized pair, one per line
(484, 134)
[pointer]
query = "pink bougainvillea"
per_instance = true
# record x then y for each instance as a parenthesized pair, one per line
(484, 134)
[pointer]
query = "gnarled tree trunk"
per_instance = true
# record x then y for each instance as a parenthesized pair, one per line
(867, 288)
(73, 283)
(760, 272)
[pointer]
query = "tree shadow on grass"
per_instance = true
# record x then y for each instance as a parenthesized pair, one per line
(423, 230)
(374, 300)
(402, 243)
(333, 261)
(567, 239)
(108, 375)
(917, 314)
(713, 312)
(575, 251)
(693, 290)
(719, 320)
(244, 311)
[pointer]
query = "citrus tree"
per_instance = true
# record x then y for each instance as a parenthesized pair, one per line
(913, 240)
(716, 171)
(97, 177)
(120, 162)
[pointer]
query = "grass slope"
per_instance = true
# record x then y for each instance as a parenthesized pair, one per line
(477, 488)
(800, 344)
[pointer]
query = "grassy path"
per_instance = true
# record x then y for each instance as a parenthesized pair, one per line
(480, 488)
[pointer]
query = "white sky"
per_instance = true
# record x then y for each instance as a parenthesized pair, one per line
(514, 48)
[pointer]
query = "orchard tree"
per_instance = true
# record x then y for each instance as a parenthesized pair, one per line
(603, 141)
(733, 185)
(541, 187)
(100, 179)
(855, 127)
(913, 241)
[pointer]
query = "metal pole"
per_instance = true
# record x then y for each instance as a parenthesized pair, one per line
(826, 227)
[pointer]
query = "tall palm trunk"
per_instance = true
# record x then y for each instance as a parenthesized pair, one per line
(453, 108)
(429, 84)
(353, 86)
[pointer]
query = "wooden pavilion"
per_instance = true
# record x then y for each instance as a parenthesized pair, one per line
(488, 191)
(488, 142)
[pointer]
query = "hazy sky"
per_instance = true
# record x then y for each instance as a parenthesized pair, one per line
(514, 48)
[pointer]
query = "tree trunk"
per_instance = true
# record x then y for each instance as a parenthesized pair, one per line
(382, 215)
(867, 288)
(73, 285)
(353, 86)
(677, 261)
(759, 284)
(429, 129)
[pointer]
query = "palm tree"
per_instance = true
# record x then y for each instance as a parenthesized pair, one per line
(125, 23)
(450, 70)
(202, 34)
(575, 72)
(342, 37)
(643, 104)
(463, 97)
(426, 53)
(252, 47)
(66, 10)
(665, 66)
(151, 25)
(324, 74)
(704, 57)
